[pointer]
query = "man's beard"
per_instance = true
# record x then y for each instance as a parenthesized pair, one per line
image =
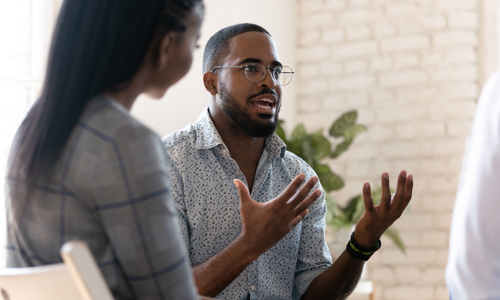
(242, 118)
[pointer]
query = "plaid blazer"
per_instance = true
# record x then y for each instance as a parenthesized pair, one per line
(110, 189)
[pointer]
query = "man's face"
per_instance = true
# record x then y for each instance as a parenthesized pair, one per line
(254, 107)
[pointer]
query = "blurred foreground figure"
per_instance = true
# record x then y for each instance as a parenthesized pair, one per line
(82, 168)
(473, 270)
(264, 237)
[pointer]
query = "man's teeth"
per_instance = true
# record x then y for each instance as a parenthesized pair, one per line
(269, 103)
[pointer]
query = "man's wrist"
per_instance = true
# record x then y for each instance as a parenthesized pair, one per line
(247, 249)
(365, 240)
(358, 251)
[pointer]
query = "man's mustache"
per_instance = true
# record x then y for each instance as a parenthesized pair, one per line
(265, 91)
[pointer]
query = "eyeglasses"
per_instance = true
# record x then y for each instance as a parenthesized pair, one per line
(256, 72)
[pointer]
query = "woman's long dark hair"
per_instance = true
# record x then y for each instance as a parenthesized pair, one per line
(98, 46)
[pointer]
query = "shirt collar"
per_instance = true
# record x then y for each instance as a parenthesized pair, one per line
(208, 137)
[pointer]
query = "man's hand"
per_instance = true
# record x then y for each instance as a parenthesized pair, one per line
(377, 219)
(340, 279)
(265, 224)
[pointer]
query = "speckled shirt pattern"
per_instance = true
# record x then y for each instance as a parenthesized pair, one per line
(207, 202)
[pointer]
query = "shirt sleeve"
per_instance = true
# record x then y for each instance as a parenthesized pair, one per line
(132, 198)
(473, 270)
(314, 256)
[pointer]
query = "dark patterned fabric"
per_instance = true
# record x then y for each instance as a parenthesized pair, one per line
(207, 202)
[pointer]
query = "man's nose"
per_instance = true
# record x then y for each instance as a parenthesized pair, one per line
(269, 79)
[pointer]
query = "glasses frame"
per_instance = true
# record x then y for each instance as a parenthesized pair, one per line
(271, 70)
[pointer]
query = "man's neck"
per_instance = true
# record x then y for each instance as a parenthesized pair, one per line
(246, 150)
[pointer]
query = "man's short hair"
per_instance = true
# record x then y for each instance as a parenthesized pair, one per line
(217, 47)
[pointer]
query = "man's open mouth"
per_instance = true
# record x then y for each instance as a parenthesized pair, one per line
(265, 103)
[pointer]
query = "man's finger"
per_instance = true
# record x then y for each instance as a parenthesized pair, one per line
(409, 188)
(367, 197)
(400, 191)
(291, 189)
(385, 202)
(304, 205)
(297, 219)
(304, 191)
(242, 191)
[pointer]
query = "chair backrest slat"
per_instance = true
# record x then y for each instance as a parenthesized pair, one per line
(52, 282)
(78, 278)
(85, 272)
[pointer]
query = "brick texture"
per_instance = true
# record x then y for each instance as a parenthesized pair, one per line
(410, 69)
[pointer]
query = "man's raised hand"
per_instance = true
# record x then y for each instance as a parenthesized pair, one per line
(265, 224)
(377, 219)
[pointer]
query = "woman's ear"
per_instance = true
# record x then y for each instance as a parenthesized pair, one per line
(209, 80)
(165, 49)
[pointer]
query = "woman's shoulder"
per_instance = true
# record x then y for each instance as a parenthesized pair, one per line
(109, 120)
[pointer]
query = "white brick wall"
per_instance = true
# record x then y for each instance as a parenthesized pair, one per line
(410, 69)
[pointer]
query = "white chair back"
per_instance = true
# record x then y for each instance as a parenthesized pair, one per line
(78, 278)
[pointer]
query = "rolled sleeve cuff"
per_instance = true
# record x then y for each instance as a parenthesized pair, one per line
(303, 281)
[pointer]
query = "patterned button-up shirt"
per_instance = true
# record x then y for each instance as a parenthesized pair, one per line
(207, 202)
(109, 189)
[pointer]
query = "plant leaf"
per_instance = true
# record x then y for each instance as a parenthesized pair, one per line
(294, 147)
(329, 180)
(340, 148)
(299, 133)
(394, 236)
(307, 151)
(351, 206)
(280, 132)
(338, 224)
(322, 169)
(331, 208)
(321, 145)
(359, 211)
(344, 121)
(352, 131)
(335, 217)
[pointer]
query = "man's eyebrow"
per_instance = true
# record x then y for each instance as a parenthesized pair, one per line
(256, 60)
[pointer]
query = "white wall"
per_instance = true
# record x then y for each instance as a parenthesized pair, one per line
(411, 70)
(184, 102)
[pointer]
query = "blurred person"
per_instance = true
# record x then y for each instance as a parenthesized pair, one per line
(473, 270)
(248, 242)
(82, 168)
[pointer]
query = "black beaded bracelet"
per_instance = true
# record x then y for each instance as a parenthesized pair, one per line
(357, 251)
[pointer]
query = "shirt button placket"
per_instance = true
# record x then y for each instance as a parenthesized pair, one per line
(253, 278)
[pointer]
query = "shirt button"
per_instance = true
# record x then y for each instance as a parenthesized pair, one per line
(253, 288)
(223, 151)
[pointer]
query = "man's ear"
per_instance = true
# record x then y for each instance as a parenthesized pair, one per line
(209, 80)
(165, 48)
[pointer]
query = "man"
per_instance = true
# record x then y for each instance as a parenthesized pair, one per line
(473, 270)
(254, 247)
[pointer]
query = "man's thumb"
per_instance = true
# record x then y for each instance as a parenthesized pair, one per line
(242, 190)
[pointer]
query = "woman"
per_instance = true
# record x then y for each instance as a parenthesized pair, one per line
(82, 168)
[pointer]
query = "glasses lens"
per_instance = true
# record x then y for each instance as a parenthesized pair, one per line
(255, 72)
(285, 76)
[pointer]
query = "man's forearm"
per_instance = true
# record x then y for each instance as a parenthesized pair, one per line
(338, 281)
(216, 273)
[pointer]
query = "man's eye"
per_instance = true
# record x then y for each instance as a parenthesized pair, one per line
(278, 71)
(251, 69)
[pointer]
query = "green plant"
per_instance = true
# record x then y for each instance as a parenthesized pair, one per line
(315, 148)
